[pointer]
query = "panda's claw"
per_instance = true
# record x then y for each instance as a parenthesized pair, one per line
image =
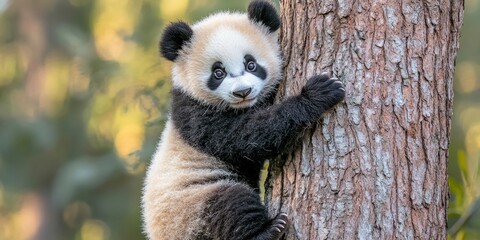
(282, 221)
(326, 74)
(280, 225)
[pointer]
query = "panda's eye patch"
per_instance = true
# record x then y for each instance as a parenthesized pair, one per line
(250, 63)
(218, 71)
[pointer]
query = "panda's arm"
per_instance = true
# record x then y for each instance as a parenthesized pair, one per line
(256, 134)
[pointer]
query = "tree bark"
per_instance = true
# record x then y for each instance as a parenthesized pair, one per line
(375, 167)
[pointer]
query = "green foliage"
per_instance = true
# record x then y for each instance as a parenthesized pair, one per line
(464, 209)
(464, 164)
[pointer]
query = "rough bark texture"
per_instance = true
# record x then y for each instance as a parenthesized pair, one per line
(376, 166)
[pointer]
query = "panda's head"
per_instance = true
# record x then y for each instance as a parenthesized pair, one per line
(228, 59)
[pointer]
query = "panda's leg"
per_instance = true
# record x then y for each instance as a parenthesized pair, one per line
(235, 212)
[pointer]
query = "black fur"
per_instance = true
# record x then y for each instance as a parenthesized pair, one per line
(260, 72)
(235, 212)
(175, 36)
(244, 139)
(265, 13)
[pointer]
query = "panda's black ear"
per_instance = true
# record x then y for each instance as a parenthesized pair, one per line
(264, 12)
(175, 36)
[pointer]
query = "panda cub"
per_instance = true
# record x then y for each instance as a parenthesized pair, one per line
(204, 177)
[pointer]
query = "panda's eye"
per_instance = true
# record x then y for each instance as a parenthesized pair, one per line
(251, 66)
(219, 73)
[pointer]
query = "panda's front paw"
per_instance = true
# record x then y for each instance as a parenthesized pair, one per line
(324, 91)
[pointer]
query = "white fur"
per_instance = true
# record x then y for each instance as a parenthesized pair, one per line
(227, 37)
(230, 46)
(170, 209)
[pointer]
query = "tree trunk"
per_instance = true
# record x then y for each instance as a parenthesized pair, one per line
(375, 167)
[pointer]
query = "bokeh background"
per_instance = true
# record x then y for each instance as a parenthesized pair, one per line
(83, 99)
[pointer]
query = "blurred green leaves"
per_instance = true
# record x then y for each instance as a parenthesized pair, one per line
(82, 175)
(464, 152)
(464, 209)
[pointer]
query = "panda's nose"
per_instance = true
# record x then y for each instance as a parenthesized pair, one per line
(242, 93)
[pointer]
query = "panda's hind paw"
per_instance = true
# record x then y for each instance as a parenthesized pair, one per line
(276, 229)
(279, 225)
